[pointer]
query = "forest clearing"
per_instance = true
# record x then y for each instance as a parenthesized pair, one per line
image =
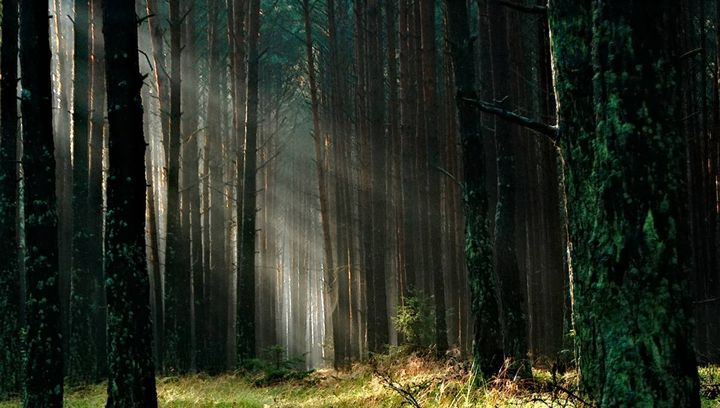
(425, 203)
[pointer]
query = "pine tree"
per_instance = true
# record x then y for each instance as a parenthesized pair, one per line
(44, 374)
(10, 287)
(131, 374)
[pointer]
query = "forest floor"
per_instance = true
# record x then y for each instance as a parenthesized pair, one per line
(388, 384)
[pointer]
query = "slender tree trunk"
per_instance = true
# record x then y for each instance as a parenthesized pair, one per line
(513, 318)
(95, 188)
(335, 276)
(44, 374)
(378, 337)
(215, 236)
(434, 265)
(246, 273)
(63, 165)
(159, 69)
(191, 188)
(177, 277)
(240, 8)
(320, 160)
(82, 354)
(131, 373)
(408, 116)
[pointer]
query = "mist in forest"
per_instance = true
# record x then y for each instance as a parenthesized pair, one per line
(275, 192)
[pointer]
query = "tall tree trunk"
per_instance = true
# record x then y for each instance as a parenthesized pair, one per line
(336, 284)
(82, 354)
(10, 279)
(44, 374)
(378, 337)
(630, 298)
(246, 273)
(177, 276)
(131, 373)
(320, 153)
(95, 255)
(434, 265)
(191, 188)
(239, 73)
(63, 165)
(215, 260)
(487, 346)
(513, 318)
(408, 117)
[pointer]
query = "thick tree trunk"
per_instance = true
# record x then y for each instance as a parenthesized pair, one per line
(44, 361)
(10, 278)
(131, 373)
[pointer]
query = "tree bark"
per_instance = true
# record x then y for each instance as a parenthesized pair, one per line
(95, 255)
(246, 273)
(82, 353)
(131, 373)
(487, 346)
(376, 270)
(511, 299)
(11, 298)
(177, 276)
(43, 370)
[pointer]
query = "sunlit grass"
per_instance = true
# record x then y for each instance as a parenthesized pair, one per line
(433, 384)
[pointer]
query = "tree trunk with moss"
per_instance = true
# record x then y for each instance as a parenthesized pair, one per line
(624, 192)
(511, 297)
(131, 381)
(44, 362)
(487, 344)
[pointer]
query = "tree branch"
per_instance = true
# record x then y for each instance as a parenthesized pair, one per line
(532, 9)
(512, 117)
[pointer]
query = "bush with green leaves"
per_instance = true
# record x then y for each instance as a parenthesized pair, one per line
(415, 321)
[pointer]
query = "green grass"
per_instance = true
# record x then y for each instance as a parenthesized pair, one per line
(434, 384)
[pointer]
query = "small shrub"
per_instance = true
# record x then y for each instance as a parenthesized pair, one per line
(274, 367)
(415, 321)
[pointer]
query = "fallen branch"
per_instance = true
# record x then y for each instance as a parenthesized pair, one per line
(704, 301)
(548, 130)
(690, 54)
(406, 395)
(532, 9)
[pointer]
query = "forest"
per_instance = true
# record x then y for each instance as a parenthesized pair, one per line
(360, 203)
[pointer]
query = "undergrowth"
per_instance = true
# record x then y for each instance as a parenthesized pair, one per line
(387, 381)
